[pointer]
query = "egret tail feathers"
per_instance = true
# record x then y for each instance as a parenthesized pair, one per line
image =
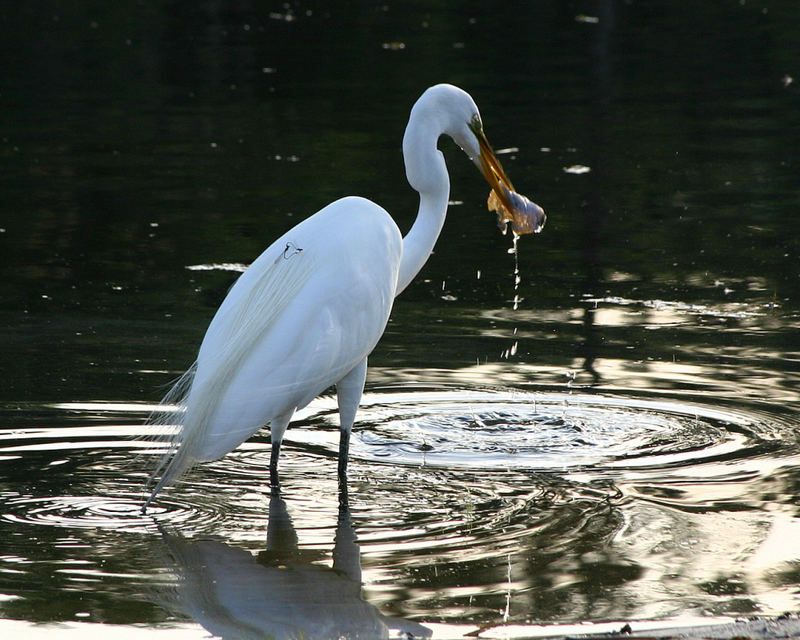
(189, 408)
(167, 421)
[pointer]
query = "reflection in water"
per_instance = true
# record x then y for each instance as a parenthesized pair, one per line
(473, 508)
(281, 593)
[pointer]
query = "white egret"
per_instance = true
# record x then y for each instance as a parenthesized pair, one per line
(306, 314)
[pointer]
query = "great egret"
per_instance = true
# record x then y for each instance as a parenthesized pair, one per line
(310, 309)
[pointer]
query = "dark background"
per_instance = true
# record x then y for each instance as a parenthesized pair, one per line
(141, 138)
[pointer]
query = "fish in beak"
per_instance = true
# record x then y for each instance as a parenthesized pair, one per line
(525, 216)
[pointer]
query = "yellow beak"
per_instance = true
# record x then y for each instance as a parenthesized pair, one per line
(525, 216)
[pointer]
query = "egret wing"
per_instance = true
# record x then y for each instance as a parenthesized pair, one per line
(309, 309)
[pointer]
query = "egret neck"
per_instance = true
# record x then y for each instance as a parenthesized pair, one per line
(427, 174)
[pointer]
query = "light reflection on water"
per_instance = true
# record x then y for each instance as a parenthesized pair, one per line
(561, 505)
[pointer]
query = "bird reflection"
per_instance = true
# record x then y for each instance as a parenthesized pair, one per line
(280, 593)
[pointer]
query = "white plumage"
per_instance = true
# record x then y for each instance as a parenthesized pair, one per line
(307, 313)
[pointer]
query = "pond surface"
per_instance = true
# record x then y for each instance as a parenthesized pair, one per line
(613, 438)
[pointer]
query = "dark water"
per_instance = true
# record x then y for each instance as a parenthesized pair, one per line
(621, 446)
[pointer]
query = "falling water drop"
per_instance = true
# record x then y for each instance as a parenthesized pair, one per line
(516, 272)
(511, 351)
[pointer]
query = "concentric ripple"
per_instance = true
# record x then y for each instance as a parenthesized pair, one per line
(104, 512)
(74, 512)
(457, 430)
(500, 429)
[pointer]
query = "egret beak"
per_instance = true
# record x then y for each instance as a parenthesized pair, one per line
(525, 216)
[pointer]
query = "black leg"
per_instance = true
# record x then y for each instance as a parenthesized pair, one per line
(349, 390)
(274, 480)
(344, 449)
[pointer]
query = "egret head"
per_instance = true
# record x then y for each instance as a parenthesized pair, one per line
(447, 109)
(463, 124)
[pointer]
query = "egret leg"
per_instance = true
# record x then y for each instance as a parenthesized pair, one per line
(277, 428)
(348, 391)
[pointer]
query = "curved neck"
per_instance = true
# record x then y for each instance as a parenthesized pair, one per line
(427, 173)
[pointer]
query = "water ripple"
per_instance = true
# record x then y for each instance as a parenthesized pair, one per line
(439, 456)
(501, 429)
